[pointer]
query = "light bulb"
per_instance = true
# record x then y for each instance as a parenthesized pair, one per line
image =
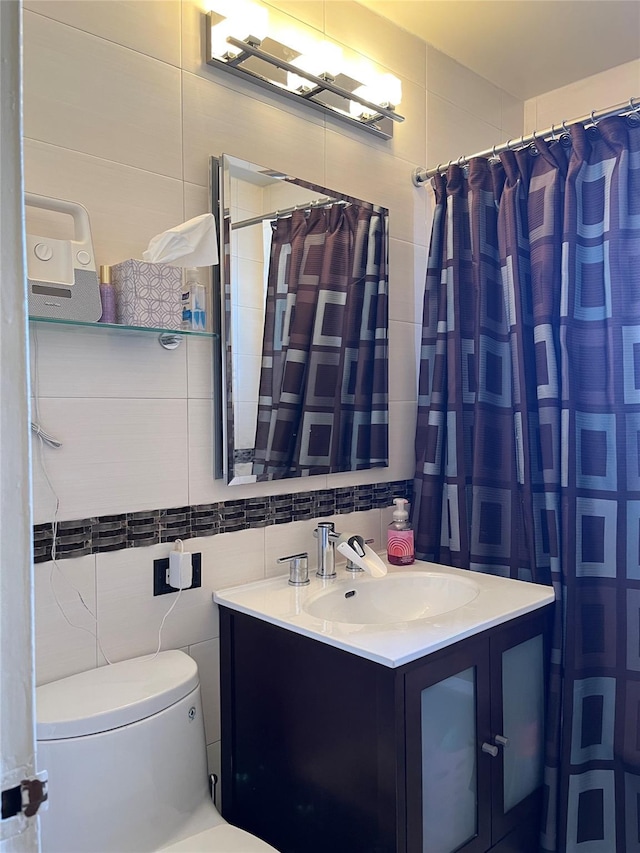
(220, 48)
(296, 83)
(383, 89)
(242, 19)
(322, 57)
(387, 89)
(359, 110)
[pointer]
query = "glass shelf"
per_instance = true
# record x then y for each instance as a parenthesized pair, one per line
(169, 338)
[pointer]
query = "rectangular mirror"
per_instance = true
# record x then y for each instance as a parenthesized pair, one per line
(304, 329)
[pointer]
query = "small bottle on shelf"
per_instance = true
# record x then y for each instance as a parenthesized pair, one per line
(194, 315)
(107, 296)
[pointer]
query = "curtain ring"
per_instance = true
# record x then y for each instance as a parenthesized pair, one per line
(508, 145)
(633, 118)
(533, 146)
(461, 159)
(553, 133)
(565, 138)
(593, 121)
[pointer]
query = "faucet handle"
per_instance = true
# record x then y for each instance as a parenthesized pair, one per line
(298, 568)
(353, 547)
(351, 566)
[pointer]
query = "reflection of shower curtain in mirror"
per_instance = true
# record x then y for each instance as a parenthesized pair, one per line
(323, 385)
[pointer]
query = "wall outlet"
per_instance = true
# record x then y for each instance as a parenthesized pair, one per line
(160, 569)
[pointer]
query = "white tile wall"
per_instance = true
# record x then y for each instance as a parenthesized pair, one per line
(117, 455)
(393, 47)
(122, 115)
(149, 28)
(65, 626)
(598, 92)
(92, 95)
(449, 123)
(407, 266)
(463, 88)
(84, 362)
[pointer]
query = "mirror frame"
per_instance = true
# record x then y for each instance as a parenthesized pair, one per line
(217, 293)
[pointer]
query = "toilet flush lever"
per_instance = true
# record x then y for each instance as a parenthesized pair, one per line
(213, 788)
(298, 568)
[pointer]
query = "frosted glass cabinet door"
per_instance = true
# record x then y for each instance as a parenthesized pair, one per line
(449, 772)
(518, 673)
(523, 719)
(447, 707)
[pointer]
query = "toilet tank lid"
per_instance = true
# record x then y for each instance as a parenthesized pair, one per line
(112, 696)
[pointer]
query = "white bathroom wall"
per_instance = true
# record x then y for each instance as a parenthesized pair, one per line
(597, 92)
(121, 114)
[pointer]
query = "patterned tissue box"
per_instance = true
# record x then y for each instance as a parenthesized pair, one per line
(147, 294)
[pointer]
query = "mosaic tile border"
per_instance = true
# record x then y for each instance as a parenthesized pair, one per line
(140, 529)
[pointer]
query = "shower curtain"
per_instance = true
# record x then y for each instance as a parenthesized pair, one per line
(528, 438)
(322, 403)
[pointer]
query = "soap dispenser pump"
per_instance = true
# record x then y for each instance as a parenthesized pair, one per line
(400, 547)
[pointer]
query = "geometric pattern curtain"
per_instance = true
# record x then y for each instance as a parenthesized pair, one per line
(323, 398)
(528, 438)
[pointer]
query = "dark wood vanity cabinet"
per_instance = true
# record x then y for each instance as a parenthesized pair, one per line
(324, 751)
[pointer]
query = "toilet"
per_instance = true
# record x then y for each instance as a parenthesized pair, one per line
(124, 747)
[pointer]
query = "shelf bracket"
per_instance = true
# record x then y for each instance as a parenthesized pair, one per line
(169, 340)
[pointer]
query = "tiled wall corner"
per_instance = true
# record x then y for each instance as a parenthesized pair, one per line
(597, 92)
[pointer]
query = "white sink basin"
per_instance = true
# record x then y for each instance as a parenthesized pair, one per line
(392, 620)
(400, 597)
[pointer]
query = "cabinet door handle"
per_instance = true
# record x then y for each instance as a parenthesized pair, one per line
(490, 749)
(501, 740)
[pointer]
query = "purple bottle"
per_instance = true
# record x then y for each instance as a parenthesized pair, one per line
(107, 296)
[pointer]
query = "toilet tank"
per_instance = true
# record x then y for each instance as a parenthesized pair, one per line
(125, 752)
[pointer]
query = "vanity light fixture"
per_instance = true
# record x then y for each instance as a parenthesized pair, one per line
(307, 71)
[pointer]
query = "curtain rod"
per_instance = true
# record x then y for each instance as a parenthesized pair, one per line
(286, 211)
(420, 176)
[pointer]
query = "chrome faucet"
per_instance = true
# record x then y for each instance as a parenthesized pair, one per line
(352, 546)
(327, 537)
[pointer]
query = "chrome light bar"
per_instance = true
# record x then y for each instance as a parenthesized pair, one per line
(324, 94)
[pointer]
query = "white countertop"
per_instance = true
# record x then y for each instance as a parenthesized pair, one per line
(498, 600)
